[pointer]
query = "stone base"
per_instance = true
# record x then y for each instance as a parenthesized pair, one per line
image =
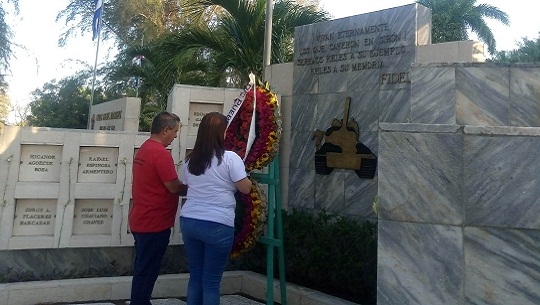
(167, 286)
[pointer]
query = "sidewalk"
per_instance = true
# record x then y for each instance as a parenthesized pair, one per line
(225, 300)
(237, 288)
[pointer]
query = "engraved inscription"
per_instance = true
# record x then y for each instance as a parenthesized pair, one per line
(98, 164)
(92, 217)
(34, 217)
(196, 112)
(40, 163)
(354, 50)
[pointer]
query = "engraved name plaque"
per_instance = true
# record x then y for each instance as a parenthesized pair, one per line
(34, 217)
(40, 163)
(196, 112)
(92, 217)
(98, 164)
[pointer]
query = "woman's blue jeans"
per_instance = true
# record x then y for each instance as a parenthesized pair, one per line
(208, 246)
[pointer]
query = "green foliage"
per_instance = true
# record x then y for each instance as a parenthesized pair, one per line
(194, 42)
(228, 45)
(527, 51)
(328, 253)
(155, 85)
(219, 46)
(5, 37)
(451, 20)
(4, 104)
(63, 104)
(127, 22)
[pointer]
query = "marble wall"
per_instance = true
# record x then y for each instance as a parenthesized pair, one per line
(457, 94)
(457, 189)
(71, 263)
(66, 193)
(65, 188)
(367, 57)
(458, 214)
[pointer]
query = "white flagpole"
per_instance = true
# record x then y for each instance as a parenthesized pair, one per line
(95, 67)
(139, 63)
(268, 36)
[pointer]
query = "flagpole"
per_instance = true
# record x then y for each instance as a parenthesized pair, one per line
(268, 36)
(95, 68)
(139, 62)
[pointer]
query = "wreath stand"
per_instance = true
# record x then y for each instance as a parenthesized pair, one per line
(273, 236)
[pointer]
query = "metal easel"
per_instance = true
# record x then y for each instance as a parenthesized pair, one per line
(273, 237)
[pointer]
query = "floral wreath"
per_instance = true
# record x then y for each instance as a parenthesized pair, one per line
(264, 147)
(255, 212)
(267, 128)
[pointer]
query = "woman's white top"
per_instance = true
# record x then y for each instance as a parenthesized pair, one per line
(210, 196)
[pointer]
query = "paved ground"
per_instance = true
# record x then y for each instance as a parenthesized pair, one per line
(225, 300)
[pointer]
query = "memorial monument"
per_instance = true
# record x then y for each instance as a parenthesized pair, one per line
(455, 192)
(455, 195)
(121, 115)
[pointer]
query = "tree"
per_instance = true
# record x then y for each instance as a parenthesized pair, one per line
(155, 21)
(63, 104)
(231, 41)
(5, 38)
(4, 104)
(527, 51)
(163, 65)
(130, 23)
(127, 22)
(152, 87)
(453, 19)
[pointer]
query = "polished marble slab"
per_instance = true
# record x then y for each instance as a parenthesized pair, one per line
(458, 210)
(420, 177)
(419, 264)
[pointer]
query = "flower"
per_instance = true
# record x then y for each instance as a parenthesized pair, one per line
(267, 128)
(255, 213)
(262, 152)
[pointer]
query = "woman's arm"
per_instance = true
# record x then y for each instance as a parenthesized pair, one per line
(176, 187)
(244, 185)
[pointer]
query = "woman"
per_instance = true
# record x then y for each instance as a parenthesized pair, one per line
(213, 175)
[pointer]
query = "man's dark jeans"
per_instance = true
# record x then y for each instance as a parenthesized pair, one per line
(149, 251)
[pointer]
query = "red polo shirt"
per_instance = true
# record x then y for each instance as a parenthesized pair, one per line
(154, 207)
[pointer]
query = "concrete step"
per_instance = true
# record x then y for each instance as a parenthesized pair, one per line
(168, 286)
(225, 300)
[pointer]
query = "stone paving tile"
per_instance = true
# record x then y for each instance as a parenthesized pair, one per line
(225, 300)
(91, 304)
(237, 300)
(163, 302)
(168, 302)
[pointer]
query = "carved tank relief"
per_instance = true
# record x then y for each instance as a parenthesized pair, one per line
(342, 148)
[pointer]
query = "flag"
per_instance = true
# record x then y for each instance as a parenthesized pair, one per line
(96, 22)
(138, 61)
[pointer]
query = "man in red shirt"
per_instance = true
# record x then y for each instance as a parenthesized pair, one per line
(155, 193)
